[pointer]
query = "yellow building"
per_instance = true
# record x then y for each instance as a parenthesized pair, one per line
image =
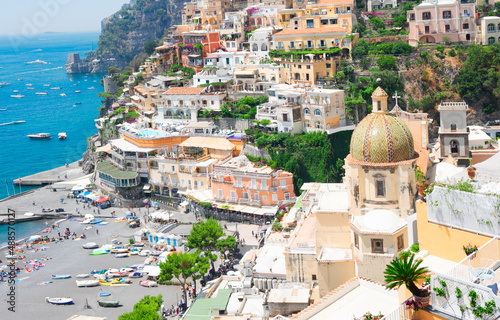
(322, 14)
(294, 71)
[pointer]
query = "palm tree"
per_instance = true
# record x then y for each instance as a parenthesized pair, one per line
(406, 271)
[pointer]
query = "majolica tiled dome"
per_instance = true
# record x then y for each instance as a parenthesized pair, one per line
(382, 138)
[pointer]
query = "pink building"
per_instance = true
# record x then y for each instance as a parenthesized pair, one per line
(239, 181)
(433, 21)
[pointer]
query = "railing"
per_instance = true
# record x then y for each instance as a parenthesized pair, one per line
(219, 198)
(274, 189)
(256, 202)
(239, 186)
(251, 187)
(199, 174)
(283, 188)
(233, 200)
(264, 188)
(243, 200)
(143, 170)
(400, 313)
(171, 184)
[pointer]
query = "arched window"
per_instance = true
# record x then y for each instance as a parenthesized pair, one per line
(168, 113)
(308, 124)
(453, 127)
(317, 112)
(491, 40)
(491, 27)
(498, 27)
(263, 47)
(307, 111)
(454, 146)
(255, 47)
(327, 126)
(318, 125)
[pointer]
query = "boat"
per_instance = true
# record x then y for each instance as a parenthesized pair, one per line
(108, 303)
(78, 103)
(148, 284)
(63, 94)
(90, 245)
(91, 88)
(59, 300)
(135, 275)
(4, 84)
(87, 283)
(77, 91)
(140, 244)
(17, 96)
(62, 135)
(6, 123)
(99, 252)
(3, 109)
(61, 276)
(82, 275)
(42, 93)
(55, 88)
(144, 253)
(119, 250)
(104, 294)
(40, 136)
(36, 62)
(19, 121)
(121, 255)
(46, 85)
(19, 79)
(30, 88)
(29, 85)
(16, 91)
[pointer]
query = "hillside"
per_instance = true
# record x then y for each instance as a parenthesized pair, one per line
(127, 31)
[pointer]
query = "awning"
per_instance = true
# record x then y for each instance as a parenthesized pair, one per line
(146, 188)
(106, 148)
(102, 200)
(184, 203)
(77, 188)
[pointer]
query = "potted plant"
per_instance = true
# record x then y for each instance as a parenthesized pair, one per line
(470, 250)
(471, 170)
(407, 271)
(413, 305)
(422, 182)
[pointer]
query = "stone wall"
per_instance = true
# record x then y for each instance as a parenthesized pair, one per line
(255, 152)
(229, 123)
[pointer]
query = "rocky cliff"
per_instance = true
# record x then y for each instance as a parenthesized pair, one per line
(126, 32)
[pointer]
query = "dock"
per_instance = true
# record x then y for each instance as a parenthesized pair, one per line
(50, 176)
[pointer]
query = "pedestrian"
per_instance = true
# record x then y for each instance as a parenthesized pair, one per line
(97, 231)
(253, 233)
(94, 211)
(33, 202)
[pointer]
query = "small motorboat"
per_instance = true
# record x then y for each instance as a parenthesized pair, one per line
(30, 88)
(126, 269)
(40, 136)
(90, 245)
(62, 135)
(61, 276)
(38, 61)
(148, 284)
(144, 253)
(17, 96)
(155, 253)
(18, 121)
(82, 275)
(119, 250)
(104, 294)
(42, 93)
(16, 91)
(122, 255)
(55, 88)
(140, 244)
(59, 300)
(77, 91)
(87, 283)
(108, 303)
(29, 85)
(91, 88)
(63, 94)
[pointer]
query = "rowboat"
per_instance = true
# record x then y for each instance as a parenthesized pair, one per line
(135, 275)
(104, 294)
(148, 284)
(61, 276)
(140, 244)
(59, 300)
(109, 303)
(87, 283)
(82, 275)
(99, 252)
(119, 250)
(121, 255)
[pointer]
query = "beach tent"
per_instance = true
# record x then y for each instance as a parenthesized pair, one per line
(92, 197)
(102, 199)
(83, 195)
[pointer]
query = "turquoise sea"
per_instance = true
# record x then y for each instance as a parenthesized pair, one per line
(51, 113)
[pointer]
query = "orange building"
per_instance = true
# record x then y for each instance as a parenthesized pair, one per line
(237, 180)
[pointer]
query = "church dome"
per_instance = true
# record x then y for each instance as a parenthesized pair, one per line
(382, 138)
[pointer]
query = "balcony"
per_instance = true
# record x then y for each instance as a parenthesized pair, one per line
(243, 200)
(219, 198)
(238, 186)
(199, 174)
(274, 189)
(283, 188)
(142, 170)
(251, 187)
(255, 203)
(172, 185)
(232, 200)
(264, 188)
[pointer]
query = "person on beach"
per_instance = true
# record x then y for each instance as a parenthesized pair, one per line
(97, 231)
(33, 202)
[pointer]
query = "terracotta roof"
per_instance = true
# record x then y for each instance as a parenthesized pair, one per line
(184, 90)
(298, 32)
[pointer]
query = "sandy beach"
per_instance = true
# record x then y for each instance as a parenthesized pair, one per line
(68, 257)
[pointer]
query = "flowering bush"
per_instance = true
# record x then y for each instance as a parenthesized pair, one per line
(470, 249)
(370, 316)
(413, 305)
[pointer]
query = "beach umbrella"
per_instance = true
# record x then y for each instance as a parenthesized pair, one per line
(145, 201)
(62, 199)
(34, 238)
(155, 203)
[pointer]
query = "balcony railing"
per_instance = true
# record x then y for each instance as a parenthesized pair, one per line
(243, 200)
(199, 174)
(283, 188)
(143, 170)
(219, 198)
(239, 186)
(256, 202)
(274, 189)
(233, 200)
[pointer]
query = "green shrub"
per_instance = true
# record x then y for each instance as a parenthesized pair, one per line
(489, 108)
(440, 48)
(377, 23)
(415, 247)
(387, 63)
(452, 53)
(424, 54)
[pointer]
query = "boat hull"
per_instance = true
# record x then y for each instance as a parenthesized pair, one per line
(64, 276)
(109, 303)
(87, 283)
(59, 301)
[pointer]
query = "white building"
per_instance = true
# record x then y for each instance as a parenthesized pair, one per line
(260, 41)
(379, 4)
(180, 105)
(207, 76)
(228, 60)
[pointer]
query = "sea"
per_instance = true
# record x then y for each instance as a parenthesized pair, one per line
(50, 113)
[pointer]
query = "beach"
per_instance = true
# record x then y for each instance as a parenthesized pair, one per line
(68, 257)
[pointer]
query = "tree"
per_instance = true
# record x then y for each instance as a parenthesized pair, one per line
(225, 246)
(354, 102)
(182, 266)
(377, 23)
(205, 235)
(150, 47)
(201, 268)
(406, 271)
(386, 63)
(146, 309)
